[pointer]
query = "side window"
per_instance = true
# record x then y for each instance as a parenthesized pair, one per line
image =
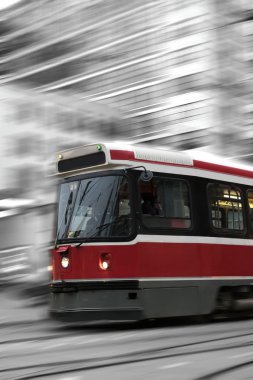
(225, 205)
(165, 203)
(250, 204)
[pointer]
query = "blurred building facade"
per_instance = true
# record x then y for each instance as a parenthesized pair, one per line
(178, 73)
(33, 129)
(149, 60)
(156, 62)
(164, 72)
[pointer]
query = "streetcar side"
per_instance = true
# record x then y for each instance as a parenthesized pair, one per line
(210, 262)
(176, 243)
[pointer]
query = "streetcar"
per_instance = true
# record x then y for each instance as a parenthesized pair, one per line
(146, 233)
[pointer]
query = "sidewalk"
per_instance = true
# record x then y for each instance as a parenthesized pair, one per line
(18, 306)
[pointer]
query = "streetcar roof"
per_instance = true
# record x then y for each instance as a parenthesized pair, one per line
(122, 155)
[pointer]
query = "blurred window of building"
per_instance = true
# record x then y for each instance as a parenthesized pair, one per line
(23, 112)
(29, 145)
(23, 146)
(24, 179)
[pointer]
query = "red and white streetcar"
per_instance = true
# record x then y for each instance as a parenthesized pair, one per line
(149, 233)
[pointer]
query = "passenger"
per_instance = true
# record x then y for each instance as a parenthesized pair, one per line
(158, 207)
(150, 205)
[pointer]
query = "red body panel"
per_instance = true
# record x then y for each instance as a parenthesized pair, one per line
(156, 260)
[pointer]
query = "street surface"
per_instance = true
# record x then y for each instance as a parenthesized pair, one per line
(32, 346)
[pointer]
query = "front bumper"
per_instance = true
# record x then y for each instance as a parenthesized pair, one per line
(96, 301)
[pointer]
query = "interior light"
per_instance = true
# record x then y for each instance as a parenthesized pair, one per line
(65, 262)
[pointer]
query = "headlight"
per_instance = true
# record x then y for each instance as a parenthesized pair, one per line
(105, 261)
(65, 262)
(105, 265)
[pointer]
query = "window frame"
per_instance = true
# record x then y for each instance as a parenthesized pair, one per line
(249, 218)
(165, 228)
(107, 173)
(222, 230)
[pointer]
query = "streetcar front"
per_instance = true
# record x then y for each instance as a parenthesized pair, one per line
(93, 276)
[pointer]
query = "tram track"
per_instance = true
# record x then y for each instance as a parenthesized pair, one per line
(50, 337)
(66, 331)
(55, 368)
(46, 370)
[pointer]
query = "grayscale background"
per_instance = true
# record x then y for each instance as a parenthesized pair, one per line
(170, 73)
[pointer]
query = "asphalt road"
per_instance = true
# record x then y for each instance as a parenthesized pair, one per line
(32, 346)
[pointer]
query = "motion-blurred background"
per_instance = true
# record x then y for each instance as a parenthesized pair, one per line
(171, 73)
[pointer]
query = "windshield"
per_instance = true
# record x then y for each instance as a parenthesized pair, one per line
(94, 207)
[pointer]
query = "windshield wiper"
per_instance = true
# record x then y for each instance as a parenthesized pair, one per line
(101, 228)
(84, 193)
(98, 229)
